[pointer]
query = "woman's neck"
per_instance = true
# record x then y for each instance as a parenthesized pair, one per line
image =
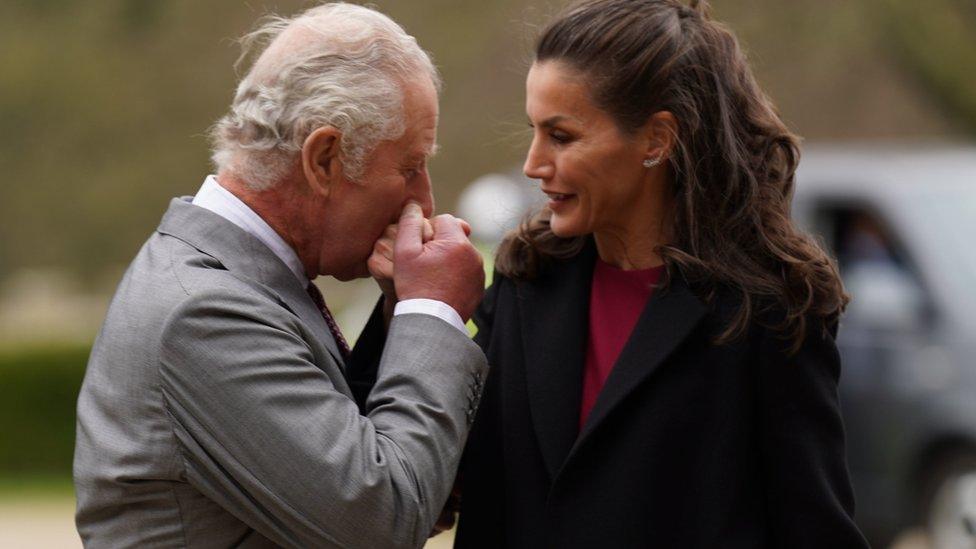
(629, 251)
(631, 240)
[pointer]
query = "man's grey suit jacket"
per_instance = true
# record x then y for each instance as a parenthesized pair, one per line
(215, 411)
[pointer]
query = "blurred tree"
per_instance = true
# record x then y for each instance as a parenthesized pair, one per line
(142, 15)
(104, 106)
(935, 41)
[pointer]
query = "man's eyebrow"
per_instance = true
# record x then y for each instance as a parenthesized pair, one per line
(423, 155)
(426, 155)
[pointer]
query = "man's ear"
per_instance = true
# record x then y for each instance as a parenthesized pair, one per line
(320, 160)
(661, 131)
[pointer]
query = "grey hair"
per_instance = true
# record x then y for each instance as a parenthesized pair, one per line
(343, 66)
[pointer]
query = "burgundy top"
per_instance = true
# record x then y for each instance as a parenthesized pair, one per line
(617, 298)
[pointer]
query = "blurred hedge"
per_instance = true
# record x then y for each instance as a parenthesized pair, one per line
(38, 392)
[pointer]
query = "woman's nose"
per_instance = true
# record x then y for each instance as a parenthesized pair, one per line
(537, 165)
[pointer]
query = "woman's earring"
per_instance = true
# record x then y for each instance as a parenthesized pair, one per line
(651, 162)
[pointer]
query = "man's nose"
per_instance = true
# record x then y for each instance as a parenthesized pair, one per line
(423, 194)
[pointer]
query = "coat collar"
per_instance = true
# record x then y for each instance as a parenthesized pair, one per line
(555, 322)
(247, 257)
(668, 318)
(554, 309)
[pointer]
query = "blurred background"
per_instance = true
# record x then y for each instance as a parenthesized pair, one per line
(104, 108)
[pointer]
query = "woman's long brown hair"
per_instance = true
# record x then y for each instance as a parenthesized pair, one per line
(733, 167)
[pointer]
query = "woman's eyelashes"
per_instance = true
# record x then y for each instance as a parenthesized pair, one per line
(556, 135)
(560, 137)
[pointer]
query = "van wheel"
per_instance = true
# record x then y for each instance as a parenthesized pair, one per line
(949, 502)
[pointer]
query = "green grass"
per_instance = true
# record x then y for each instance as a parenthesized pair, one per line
(36, 487)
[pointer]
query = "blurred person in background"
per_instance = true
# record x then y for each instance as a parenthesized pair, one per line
(661, 335)
(216, 411)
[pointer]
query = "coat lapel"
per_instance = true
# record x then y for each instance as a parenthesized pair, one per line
(554, 310)
(668, 318)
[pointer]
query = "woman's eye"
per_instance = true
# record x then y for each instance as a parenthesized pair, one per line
(560, 137)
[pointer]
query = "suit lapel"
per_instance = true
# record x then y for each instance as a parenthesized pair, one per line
(554, 311)
(668, 318)
(246, 256)
(298, 300)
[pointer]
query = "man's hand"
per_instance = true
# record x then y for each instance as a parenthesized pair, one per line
(447, 267)
(380, 263)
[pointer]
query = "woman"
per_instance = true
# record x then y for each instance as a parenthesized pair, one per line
(661, 336)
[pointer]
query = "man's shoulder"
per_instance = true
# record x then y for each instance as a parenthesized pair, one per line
(216, 304)
(200, 275)
(169, 278)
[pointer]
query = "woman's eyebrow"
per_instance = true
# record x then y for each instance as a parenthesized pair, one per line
(552, 121)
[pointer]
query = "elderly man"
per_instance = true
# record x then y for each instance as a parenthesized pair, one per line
(218, 409)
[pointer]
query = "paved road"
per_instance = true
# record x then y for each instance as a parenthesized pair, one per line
(41, 524)
(49, 524)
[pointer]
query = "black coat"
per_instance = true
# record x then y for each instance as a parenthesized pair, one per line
(689, 444)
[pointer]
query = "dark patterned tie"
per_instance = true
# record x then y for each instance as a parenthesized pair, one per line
(316, 296)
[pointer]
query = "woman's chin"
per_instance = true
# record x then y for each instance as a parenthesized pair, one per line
(564, 228)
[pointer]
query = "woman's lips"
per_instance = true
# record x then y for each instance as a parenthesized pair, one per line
(557, 200)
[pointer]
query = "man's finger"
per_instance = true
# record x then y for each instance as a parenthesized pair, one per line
(384, 248)
(428, 230)
(447, 227)
(465, 226)
(409, 238)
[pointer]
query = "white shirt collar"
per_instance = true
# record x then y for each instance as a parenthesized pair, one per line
(222, 202)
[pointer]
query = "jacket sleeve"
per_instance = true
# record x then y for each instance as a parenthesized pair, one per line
(263, 431)
(482, 475)
(810, 501)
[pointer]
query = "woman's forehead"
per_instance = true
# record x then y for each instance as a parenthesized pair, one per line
(555, 92)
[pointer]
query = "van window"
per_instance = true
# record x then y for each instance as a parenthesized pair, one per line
(877, 271)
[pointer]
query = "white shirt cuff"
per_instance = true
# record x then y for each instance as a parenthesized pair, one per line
(431, 307)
